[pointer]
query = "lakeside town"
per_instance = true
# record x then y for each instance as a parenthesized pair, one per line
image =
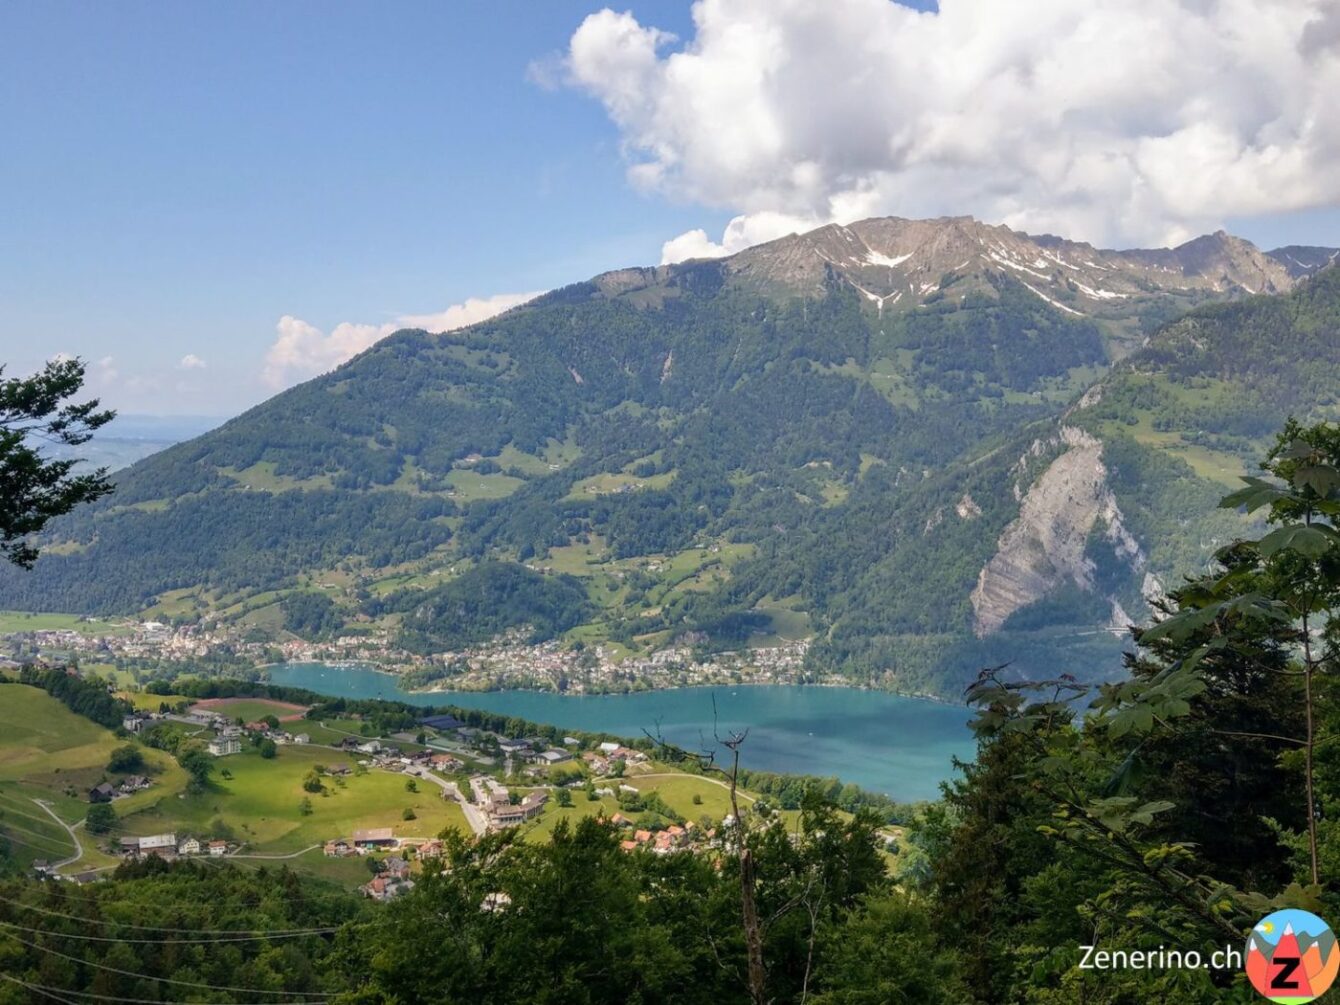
(151, 649)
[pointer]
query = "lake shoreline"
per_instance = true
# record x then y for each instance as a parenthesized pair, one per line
(899, 745)
(831, 683)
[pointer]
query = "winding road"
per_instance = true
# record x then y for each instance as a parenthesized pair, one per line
(78, 848)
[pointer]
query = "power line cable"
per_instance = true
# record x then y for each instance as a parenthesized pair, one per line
(257, 932)
(9, 808)
(46, 849)
(7, 826)
(40, 988)
(44, 992)
(163, 941)
(163, 980)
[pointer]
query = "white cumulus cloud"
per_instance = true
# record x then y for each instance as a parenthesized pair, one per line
(192, 362)
(472, 311)
(1115, 121)
(301, 350)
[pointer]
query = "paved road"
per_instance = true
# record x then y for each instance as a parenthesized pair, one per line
(473, 815)
(453, 791)
(78, 848)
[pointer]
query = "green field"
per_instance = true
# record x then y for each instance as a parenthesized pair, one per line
(331, 732)
(581, 807)
(48, 753)
(786, 625)
(249, 709)
(261, 477)
(24, 621)
(675, 788)
(145, 702)
(605, 484)
(678, 791)
(469, 486)
(260, 804)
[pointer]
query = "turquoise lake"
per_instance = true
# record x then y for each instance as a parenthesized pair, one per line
(903, 747)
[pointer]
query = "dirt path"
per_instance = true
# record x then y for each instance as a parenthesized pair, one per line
(277, 858)
(670, 774)
(78, 848)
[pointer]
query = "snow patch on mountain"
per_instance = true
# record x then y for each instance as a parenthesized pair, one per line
(875, 258)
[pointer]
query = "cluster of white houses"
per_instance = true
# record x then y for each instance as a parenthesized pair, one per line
(228, 735)
(228, 740)
(167, 846)
(500, 808)
(604, 758)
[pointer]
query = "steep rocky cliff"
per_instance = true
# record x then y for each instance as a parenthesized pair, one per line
(1045, 547)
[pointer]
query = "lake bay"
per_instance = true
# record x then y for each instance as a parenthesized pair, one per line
(900, 746)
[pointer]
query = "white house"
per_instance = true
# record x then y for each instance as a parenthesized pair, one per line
(189, 847)
(221, 746)
(157, 844)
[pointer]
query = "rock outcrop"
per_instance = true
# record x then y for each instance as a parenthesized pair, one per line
(1044, 547)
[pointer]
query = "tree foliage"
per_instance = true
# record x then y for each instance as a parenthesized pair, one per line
(35, 488)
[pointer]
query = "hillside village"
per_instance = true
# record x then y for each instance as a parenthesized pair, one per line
(276, 777)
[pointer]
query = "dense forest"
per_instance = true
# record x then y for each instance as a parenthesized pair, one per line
(485, 602)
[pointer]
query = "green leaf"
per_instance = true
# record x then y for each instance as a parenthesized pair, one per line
(1320, 478)
(1146, 813)
(1258, 493)
(1310, 542)
(1183, 624)
(1298, 450)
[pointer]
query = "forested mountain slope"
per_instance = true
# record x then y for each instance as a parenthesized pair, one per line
(867, 433)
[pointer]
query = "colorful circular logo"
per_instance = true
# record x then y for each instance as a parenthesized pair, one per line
(1291, 957)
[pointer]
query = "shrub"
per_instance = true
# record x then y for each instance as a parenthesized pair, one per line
(100, 819)
(125, 759)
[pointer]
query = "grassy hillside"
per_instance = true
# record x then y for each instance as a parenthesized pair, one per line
(259, 804)
(48, 753)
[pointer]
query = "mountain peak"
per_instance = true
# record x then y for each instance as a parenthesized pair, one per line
(1304, 260)
(901, 264)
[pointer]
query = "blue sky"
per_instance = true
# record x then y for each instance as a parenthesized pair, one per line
(176, 178)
